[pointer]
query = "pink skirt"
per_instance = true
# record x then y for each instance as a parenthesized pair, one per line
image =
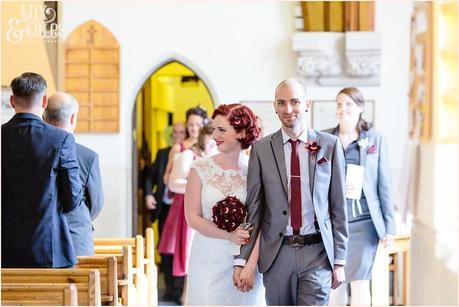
(176, 236)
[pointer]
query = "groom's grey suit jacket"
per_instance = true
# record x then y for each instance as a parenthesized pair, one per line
(267, 196)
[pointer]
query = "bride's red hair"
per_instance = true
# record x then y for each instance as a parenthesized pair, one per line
(242, 119)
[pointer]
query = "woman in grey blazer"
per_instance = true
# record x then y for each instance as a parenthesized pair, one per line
(370, 216)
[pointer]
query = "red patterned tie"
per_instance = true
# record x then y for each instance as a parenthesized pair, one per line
(295, 189)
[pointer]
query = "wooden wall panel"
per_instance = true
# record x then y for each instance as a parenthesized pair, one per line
(104, 70)
(92, 76)
(81, 97)
(105, 99)
(77, 56)
(104, 85)
(366, 16)
(103, 113)
(313, 15)
(77, 70)
(106, 126)
(105, 56)
(77, 84)
(338, 16)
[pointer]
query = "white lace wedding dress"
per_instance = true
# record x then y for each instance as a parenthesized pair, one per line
(210, 274)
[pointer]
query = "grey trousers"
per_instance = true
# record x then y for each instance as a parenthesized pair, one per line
(299, 276)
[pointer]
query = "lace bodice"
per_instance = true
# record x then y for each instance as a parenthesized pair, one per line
(218, 183)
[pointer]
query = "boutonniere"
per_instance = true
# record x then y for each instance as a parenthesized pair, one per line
(372, 149)
(364, 143)
(313, 148)
(323, 160)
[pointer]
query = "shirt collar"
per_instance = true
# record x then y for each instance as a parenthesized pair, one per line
(303, 136)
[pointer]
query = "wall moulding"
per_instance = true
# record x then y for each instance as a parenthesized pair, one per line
(335, 58)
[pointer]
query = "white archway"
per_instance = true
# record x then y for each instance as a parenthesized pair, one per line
(132, 149)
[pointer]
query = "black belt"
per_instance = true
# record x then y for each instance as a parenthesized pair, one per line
(300, 240)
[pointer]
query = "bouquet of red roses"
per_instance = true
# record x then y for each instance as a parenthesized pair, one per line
(229, 213)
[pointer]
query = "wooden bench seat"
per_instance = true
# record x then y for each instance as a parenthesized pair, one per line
(87, 282)
(143, 270)
(107, 267)
(21, 294)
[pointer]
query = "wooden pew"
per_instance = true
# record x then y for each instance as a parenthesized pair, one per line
(144, 269)
(41, 294)
(86, 281)
(107, 267)
(381, 269)
(125, 268)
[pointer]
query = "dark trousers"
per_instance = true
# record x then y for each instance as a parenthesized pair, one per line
(174, 284)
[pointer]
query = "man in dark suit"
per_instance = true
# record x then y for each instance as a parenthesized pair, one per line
(40, 182)
(62, 112)
(159, 204)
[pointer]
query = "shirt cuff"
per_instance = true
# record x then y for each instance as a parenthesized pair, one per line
(340, 261)
(239, 262)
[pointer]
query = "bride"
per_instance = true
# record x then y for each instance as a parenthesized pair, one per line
(211, 180)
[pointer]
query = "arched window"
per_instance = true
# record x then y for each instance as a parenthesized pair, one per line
(92, 76)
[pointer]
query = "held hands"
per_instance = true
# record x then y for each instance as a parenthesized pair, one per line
(247, 278)
(150, 202)
(338, 276)
(244, 278)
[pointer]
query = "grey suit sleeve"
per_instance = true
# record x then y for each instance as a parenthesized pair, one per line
(94, 192)
(338, 212)
(254, 202)
(384, 187)
(69, 185)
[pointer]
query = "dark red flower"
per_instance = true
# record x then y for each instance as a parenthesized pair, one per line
(313, 148)
(229, 213)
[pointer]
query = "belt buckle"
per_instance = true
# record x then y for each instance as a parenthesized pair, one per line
(296, 241)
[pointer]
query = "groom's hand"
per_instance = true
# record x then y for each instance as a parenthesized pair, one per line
(237, 276)
(248, 278)
(338, 276)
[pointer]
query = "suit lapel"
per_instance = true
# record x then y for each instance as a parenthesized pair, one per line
(312, 136)
(278, 151)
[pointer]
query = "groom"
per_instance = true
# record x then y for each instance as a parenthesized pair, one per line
(296, 199)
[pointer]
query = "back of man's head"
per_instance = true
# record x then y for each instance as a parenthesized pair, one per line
(28, 89)
(61, 111)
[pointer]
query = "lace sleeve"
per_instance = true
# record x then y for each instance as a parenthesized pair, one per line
(201, 167)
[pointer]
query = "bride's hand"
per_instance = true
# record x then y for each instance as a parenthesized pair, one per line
(239, 236)
(248, 278)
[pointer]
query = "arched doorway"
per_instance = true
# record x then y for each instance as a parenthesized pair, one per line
(162, 100)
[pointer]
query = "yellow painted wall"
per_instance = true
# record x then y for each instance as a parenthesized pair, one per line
(164, 93)
(28, 54)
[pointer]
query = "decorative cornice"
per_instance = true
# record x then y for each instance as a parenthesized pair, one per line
(329, 57)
